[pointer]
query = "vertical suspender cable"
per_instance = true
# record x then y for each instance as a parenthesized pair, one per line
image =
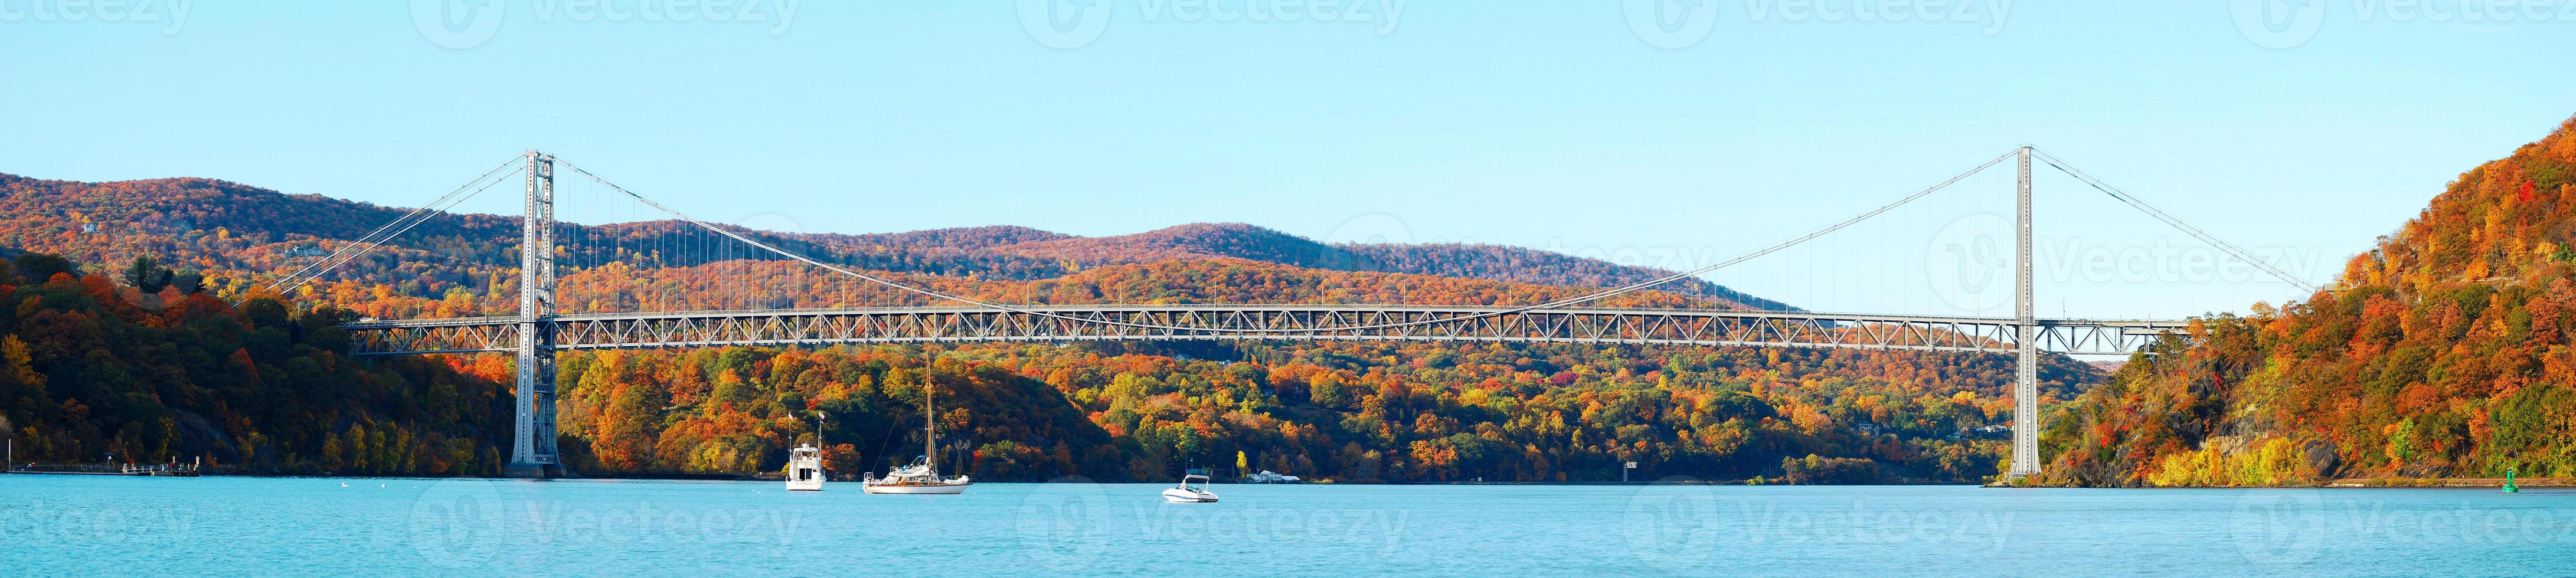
(937, 294)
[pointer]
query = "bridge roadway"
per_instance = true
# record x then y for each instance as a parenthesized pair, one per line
(1072, 323)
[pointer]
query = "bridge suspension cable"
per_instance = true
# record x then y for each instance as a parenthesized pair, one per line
(2177, 223)
(376, 238)
(1586, 298)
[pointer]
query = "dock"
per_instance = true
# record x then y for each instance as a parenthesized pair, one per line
(59, 469)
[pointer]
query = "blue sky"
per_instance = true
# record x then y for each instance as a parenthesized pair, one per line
(1567, 126)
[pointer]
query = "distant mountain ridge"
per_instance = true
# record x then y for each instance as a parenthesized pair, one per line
(1479, 261)
(215, 224)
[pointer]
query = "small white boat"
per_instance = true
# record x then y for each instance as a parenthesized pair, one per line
(922, 477)
(1185, 494)
(805, 468)
(1270, 477)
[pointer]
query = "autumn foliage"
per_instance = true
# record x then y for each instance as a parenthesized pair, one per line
(2444, 351)
(92, 366)
(276, 394)
(1351, 413)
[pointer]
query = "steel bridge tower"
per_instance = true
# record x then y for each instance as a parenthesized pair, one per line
(532, 453)
(2025, 454)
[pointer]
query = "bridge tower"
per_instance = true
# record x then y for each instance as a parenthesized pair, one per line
(532, 451)
(2025, 454)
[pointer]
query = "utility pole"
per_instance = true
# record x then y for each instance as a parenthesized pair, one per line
(532, 452)
(2025, 455)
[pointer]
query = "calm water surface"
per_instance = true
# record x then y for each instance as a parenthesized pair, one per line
(315, 526)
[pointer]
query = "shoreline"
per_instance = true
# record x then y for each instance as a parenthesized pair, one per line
(2449, 483)
(2357, 483)
(2341, 483)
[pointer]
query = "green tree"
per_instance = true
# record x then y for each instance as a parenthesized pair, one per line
(145, 274)
(40, 267)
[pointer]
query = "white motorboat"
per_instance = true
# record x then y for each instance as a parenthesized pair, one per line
(1270, 477)
(805, 468)
(922, 477)
(1186, 494)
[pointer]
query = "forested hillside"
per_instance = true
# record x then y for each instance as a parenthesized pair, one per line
(90, 365)
(1348, 413)
(149, 369)
(2444, 351)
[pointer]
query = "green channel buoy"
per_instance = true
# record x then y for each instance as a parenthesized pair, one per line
(2508, 481)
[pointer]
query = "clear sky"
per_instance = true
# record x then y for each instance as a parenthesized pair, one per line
(1654, 130)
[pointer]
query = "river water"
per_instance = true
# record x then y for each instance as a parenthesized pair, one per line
(91, 526)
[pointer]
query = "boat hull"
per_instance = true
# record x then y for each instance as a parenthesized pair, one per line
(1177, 495)
(935, 489)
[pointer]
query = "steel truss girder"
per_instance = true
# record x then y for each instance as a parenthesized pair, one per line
(825, 327)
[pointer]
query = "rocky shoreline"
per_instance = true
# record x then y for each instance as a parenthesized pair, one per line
(2449, 483)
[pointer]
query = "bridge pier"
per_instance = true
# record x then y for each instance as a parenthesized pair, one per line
(532, 449)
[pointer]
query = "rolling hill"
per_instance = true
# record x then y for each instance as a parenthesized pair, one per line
(229, 227)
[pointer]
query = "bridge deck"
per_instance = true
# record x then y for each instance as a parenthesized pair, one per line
(1269, 322)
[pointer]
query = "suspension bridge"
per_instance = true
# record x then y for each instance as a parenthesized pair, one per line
(553, 316)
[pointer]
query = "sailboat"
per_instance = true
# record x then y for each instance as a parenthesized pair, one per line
(922, 477)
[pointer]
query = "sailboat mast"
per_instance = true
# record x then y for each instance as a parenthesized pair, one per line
(930, 426)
